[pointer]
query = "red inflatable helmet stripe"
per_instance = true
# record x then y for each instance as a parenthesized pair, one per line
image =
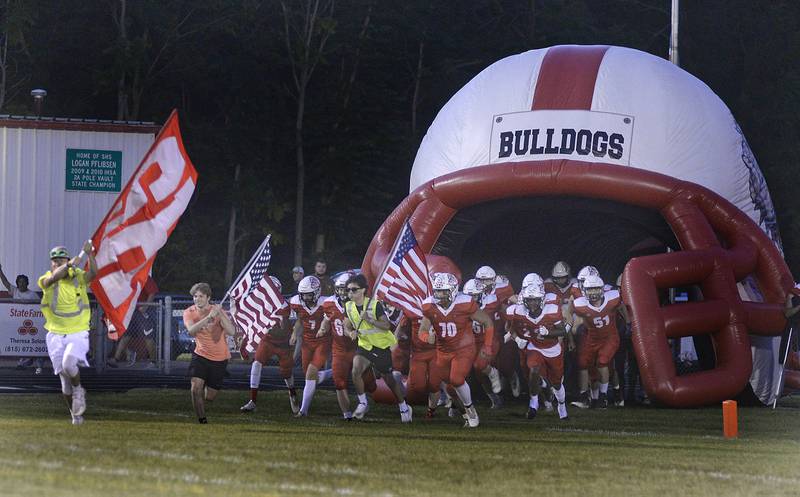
(567, 77)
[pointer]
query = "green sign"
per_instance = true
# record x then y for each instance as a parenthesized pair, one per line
(94, 170)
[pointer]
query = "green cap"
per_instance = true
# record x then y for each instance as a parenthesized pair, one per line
(59, 252)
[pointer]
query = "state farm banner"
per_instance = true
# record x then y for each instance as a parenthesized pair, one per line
(583, 135)
(22, 330)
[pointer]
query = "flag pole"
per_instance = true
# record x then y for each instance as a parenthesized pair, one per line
(246, 268)
(779, 386)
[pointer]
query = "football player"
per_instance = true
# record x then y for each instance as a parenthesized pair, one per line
(487, 375)
(447, 322)
(537, 326)
(274, 344)
(307, 305)
(597, 310)
(343, 347)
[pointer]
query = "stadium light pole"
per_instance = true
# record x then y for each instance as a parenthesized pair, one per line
(673, 34)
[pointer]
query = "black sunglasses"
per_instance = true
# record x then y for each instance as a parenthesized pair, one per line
(354, 288)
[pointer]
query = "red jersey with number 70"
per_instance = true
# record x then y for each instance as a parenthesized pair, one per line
(452, 326)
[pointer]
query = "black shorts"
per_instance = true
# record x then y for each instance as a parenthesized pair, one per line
(213, 372)
(141, 325)
(381, 359)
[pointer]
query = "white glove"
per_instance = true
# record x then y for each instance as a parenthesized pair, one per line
(542, 331)
(507, 337)
(521, 342)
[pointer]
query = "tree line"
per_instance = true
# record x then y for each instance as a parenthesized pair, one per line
(303, 116)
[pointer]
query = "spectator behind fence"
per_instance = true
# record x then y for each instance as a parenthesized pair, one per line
(21, 293)
(297, 274)
(321, 272)
(141, 327)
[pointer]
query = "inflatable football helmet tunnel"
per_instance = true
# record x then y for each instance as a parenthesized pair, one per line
(616, 158)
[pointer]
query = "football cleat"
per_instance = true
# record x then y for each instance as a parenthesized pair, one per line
(531, 414)
(361, 410)
(405, 416)
(583, 401)
(249, 407)
(602, 401)
(472, 417)
(77, 420)
(497, 401)
(431, 413)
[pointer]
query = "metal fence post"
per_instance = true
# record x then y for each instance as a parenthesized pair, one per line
(166, 334)
(99, 341)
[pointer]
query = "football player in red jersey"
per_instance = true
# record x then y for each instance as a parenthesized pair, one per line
(274, 343)
(422, 379)
(506, 356)
(538, 326)
(343, 346)
(487, 375)
(316, 348)
(447, 322)
(597, 310)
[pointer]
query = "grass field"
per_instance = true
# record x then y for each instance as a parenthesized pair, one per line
(147, 442)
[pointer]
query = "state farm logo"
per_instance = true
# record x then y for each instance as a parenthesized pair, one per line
(27, 328)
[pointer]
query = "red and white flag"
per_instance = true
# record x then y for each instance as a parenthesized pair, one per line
(405, 282)
(256, 300)
(139, 223)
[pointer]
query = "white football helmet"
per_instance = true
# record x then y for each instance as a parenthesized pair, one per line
(533, 297)
(309, 290)
(340, 286)
(277, 282)
(474, 288)
(532, 279)
(561, 270)
(487, 276)
(584, 272)
(593, 287)
(445, 287)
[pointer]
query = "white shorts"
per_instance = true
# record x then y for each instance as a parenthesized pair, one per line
(74, 344)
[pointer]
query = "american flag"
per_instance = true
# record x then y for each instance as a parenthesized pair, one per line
(405, 281)
(256, 299)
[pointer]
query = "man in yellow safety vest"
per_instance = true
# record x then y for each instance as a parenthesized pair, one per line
(65, 305)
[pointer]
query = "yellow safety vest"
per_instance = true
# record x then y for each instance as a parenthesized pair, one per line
(368, 335)
(65, 304)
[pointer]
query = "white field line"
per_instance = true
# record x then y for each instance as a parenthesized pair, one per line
(611, 433)
(192, 478)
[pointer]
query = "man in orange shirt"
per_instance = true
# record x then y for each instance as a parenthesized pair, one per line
(209, 325)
